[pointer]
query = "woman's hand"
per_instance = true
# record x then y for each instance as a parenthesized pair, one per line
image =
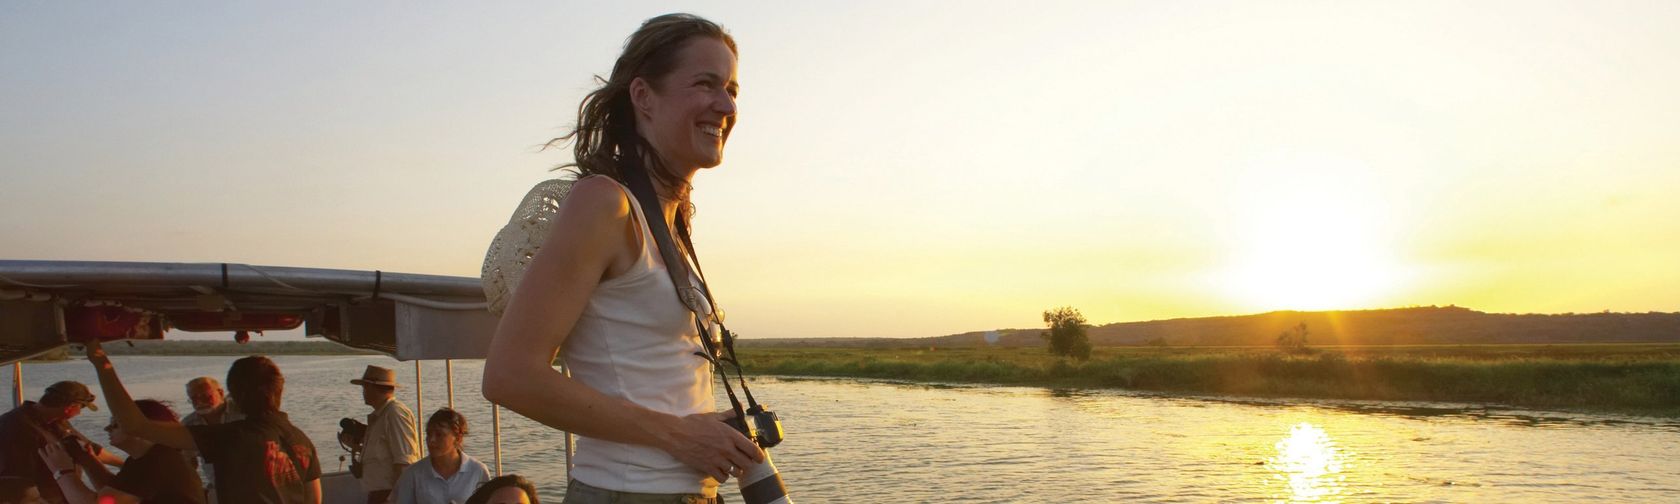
(96, 355)
(56, 457)
(704, 442)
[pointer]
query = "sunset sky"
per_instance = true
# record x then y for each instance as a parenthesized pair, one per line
(900, 168)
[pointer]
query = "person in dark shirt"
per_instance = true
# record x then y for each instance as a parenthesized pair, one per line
(28, 427)
(261, 459)
(153, 474)
(18, 490)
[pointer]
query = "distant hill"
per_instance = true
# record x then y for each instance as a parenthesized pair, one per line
(1430, 325)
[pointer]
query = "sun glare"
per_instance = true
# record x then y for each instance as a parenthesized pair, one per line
(1314, 239)
(1310, 464)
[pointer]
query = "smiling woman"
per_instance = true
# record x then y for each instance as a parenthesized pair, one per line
(1317, 238)
(612, 296)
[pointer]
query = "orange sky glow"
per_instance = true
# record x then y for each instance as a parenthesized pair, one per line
(900, 169)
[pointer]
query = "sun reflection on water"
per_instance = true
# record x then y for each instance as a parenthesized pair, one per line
(1310, 463)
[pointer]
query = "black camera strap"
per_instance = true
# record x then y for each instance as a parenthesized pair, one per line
(716, 352)
(725, 337)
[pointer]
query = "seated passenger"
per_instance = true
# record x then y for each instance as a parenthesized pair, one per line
(153, 473)
(447, 475)
(261, 459)
(18, 490)
(506, 489)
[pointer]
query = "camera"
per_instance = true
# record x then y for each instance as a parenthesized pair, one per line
(355, 433)
(762, 426)
(761, 483)
(767, 427)
(353, 430)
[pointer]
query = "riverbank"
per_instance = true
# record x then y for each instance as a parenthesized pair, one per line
(1640, 379)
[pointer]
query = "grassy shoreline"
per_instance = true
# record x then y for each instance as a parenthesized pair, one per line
(1638, 379)
(1627, 379)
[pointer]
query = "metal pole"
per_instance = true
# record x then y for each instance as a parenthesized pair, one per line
(496, 427)
(449, 379)
(17, 384)
(567, 372)
(419, 409)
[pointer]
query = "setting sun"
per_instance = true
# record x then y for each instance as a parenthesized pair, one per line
(1312, 235)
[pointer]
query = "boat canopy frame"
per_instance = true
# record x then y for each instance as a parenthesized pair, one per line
(410, 317)
(404, 315)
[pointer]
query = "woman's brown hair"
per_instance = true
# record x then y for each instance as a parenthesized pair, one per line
(256, 385)
(449, 420)
(605, 138)
(482, 495)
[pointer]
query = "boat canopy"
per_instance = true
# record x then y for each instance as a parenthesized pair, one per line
(48, 304)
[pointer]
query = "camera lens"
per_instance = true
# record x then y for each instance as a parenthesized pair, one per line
(762, 484)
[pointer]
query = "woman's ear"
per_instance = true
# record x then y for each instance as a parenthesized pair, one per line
(641, 96)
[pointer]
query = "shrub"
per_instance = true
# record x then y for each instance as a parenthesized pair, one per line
(1067, 333)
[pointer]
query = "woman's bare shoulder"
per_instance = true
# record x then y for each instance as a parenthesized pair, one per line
(590, 230)
(595, 199)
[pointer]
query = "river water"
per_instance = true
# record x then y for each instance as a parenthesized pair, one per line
(872, 441)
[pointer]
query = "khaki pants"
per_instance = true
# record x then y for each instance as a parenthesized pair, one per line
(578, 492)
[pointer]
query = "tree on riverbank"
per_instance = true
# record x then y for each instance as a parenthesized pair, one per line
(1294, 340)
(1067, 333)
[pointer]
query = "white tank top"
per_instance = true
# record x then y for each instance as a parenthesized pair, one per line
(636, 341)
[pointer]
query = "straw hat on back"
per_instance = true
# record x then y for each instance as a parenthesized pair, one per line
(518, 242)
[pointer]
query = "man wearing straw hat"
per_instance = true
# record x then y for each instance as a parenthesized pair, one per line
(390, 445)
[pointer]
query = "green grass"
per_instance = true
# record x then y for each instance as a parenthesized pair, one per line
(1636, 379)
(1639, 379)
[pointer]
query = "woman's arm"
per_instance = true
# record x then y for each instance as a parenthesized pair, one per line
(110, 459)
(589, 236)
(65, 476)
(70, 483)
(128, 414)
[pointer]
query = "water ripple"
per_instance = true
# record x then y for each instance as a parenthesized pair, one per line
(884, 441)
